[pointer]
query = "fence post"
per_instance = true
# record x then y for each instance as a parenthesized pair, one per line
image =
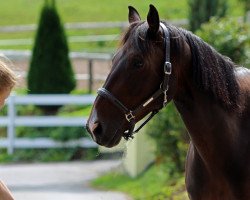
(11, 124)
(139, 155)
(90, 69)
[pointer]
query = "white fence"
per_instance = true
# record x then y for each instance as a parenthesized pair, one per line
(12, 120)
(73, 26)
(82, 26)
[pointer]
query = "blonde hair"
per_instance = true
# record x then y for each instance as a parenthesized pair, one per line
(8, 78)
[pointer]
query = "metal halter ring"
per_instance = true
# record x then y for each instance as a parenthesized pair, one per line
(129, 116)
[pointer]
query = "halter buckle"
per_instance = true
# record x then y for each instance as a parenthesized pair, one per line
(129, 116)
(167, 68)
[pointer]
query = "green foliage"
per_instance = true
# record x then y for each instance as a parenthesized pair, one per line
(57, 133)
(202, 10)
(49, 155)
(68, 133)
(4, 157)
(168, 131)
(228, 36)
(50, 68)
(154, 184)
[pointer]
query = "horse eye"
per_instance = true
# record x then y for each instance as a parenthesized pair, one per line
(138, 63)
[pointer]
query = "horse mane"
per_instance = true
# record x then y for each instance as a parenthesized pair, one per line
(212, 72)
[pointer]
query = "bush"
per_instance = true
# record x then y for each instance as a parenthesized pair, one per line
(168, 130)
(49, 155)
(50, 69)
(229, 37)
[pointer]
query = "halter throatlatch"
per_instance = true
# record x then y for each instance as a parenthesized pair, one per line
(130, 115)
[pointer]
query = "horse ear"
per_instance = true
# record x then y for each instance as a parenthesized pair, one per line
(153, 20)
(133, 15)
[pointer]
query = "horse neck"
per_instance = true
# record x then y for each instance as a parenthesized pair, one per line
(209, 125)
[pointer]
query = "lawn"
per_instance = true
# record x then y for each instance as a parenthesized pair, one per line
(19, 12)
(27, 11)
(159, 185)
(15, 12)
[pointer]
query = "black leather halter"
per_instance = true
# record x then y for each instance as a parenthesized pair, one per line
(130, 115)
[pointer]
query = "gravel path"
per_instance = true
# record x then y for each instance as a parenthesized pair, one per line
(58, 181)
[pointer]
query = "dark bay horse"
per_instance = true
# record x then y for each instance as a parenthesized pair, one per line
(157, 63)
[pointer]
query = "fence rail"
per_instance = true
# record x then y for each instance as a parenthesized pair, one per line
(12, 120)
(82, 25)
(79, 25)
(23, 55)
(26, 54)
(74, 26)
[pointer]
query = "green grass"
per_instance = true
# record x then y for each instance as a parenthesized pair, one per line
(154, 184)
(27, 11)
(16, 12)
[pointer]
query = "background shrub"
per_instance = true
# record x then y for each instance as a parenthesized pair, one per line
(168, 130)
(228, 36)
(50, 69)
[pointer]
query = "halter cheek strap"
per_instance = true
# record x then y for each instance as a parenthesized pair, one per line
(130, 115)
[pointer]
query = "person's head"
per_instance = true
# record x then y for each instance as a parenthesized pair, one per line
(7, 82)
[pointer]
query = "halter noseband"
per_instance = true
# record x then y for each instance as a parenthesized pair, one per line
(130, 115)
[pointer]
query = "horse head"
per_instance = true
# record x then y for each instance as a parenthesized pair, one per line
(141, 81)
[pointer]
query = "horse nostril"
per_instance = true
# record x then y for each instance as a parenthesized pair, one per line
(97, 128)
(87, 128)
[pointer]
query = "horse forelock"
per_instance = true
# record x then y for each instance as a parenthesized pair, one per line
(136, 36)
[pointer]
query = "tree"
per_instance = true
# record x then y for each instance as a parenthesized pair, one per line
(50, 69)
(202, 10)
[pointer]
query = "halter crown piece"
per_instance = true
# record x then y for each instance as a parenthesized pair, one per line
(130, 115)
